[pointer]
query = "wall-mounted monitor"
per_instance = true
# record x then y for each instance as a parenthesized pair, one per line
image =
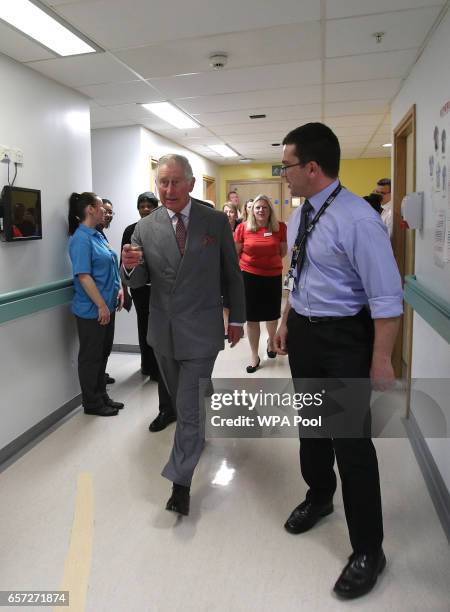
(20, 214)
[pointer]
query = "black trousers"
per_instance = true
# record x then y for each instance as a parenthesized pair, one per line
(339, 349)
(141, 300)
(95, 346)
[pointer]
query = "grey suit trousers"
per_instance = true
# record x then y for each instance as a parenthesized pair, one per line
(182, 379)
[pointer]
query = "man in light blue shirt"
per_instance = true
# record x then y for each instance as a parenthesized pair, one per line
(340, 322)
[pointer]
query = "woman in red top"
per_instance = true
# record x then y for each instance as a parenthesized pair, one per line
(261, 245)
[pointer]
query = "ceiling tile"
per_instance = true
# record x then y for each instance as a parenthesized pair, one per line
(19, 47)
(272, 114)
(348, 8)
(127, 23)
(83, 70)
(392, 64)
(404, 30)
(269, 98)
(117, 93)
(356, 107)
(353, 121)
(379, 152)
(229, 81)
(293, 42)
(376, 89)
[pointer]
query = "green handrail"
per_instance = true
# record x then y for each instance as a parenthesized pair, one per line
(27, 301)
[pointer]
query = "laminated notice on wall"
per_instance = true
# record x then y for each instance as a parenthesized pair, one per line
(440, 235)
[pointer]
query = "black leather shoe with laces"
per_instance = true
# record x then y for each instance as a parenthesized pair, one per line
(306, 516)
(360, 574)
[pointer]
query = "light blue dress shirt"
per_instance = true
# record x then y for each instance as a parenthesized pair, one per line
(349, 261)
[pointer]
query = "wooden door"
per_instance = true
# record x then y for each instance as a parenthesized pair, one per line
(404, 239)
(250, 189)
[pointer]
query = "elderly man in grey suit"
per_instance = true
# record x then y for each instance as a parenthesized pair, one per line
(186, 250)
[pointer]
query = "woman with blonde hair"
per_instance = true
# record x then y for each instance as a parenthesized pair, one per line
(246, 209)
(232, 212)
(261, 243)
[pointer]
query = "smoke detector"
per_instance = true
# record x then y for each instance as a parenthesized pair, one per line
(379, 36)
(218, 60)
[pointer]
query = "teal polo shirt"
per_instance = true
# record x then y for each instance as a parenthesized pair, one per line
(91, 254)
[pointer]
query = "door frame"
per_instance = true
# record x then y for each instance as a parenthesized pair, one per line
(405, 127)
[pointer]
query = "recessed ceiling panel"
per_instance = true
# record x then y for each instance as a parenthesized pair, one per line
(273, 98)
(230, 81)
(353, 121)
(376, 89)
(393, 64)
(82, 70)
(359, 107)
(348, 8)
(294, 42)
(403, 30)
(272, 114)
(118, 24)
(117, 93)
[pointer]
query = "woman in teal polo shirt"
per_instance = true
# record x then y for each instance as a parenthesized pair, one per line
(97, 296)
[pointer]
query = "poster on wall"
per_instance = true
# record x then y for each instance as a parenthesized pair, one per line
(439, 175)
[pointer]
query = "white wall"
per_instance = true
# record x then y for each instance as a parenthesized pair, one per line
(120, 172)
(50, 123)
(428, 86)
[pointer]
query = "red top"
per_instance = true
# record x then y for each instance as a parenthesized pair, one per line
(261, 249)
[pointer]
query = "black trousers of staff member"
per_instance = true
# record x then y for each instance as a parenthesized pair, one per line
(95, 346)
(149, 365)
(339, 349)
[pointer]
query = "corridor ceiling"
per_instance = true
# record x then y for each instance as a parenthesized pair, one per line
(292, 60)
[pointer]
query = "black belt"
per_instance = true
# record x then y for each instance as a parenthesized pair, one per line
(327, 319)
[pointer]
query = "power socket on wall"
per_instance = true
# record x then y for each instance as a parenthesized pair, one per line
(11, 154)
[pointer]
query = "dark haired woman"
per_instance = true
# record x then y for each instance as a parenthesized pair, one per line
(96, 297)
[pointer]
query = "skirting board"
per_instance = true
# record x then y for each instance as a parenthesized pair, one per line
(18, 447)
(126, 348)
(437, 488)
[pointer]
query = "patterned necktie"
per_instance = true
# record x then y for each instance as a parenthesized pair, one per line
(306, 209)
(180, 233)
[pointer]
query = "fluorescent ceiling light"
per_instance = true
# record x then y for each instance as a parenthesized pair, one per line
(246, 160)
(387, 144)
(223, 150)
(171, 114)
(34, 22)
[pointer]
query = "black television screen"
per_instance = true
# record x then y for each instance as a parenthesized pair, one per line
(21, 214)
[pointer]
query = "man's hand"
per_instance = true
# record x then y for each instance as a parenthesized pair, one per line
(103, 314)
(235, 333)
(382, 372)
(120, 300)
(131, 256)
(281, 340)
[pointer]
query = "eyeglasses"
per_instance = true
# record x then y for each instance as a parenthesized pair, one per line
(284, 168)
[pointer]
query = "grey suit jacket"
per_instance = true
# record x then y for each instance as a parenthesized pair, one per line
(186, 319)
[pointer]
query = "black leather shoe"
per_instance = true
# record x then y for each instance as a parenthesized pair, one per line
(109, 380)
(252, 369)
(162, 420)
(306, 516)
(360, 574)
(105, 411)
(271, 354)
(110, 402)
(179, 500)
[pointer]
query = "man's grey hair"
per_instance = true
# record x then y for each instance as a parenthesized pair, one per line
(177, 159)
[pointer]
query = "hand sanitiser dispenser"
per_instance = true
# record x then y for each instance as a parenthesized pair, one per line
(412, 210)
